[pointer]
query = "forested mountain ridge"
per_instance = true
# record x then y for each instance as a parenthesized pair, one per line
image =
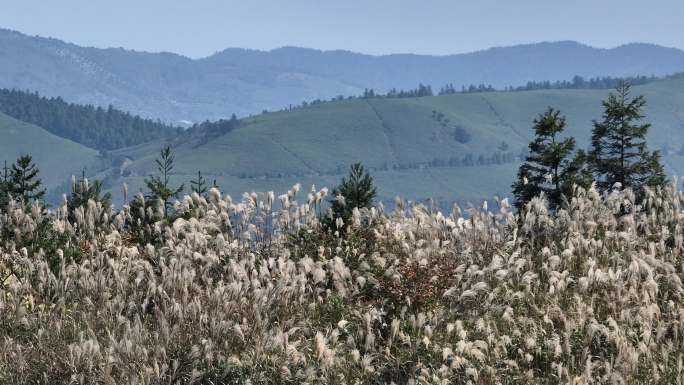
(94, 127)
(173, 87)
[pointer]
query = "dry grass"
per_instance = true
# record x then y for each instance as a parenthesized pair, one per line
(243, 292)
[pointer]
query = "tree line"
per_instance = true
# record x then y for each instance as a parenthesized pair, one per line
(578, 82)
(94, 127)
(208, 130)
(422, 90)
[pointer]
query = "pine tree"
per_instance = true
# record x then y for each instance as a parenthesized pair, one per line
(160, 185)
(548, 167)
(356, 190)
(23, 180)
(619, 152)
(199, 185)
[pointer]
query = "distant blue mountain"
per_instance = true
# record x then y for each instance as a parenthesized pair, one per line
(174, 87)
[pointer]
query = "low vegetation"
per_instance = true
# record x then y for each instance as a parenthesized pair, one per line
(258, 291)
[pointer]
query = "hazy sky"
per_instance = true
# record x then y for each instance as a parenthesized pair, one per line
(201, 27)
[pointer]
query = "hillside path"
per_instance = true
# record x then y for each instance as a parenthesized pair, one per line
(503, 121)
(294, 155)
(386, 130)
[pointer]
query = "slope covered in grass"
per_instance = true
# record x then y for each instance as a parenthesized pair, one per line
(57, 158)
(452, 147)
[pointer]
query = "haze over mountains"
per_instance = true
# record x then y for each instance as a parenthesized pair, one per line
(174, 88)
(458, 147)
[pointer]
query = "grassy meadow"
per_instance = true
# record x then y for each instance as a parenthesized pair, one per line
(57, 157)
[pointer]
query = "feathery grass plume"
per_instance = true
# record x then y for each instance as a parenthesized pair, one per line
(247, 291)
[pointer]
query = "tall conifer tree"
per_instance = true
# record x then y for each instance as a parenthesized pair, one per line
(199, 185)
(357, 191)
(619, 152)
(23, 180)
(160, 185)
(549, 168)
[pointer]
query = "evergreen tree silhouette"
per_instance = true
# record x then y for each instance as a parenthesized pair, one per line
(619, 152)
(23, 180)
(549, 168)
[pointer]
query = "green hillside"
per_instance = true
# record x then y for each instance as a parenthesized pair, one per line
(56, 157)
(415, 146)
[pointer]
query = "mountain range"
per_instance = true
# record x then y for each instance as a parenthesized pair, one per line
(175, 88)
(456, 147)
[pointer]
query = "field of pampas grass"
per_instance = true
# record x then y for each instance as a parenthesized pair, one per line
(256, 291)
